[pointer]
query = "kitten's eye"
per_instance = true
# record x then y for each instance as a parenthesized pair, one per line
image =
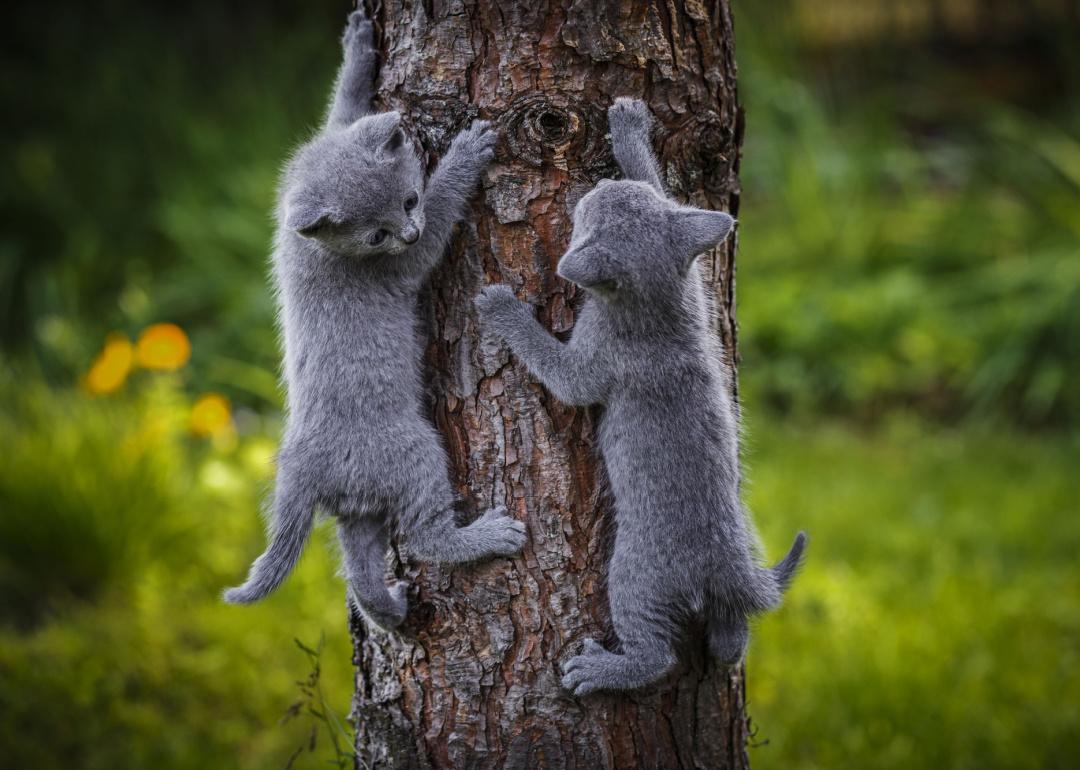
(377, 237)
(411, 201)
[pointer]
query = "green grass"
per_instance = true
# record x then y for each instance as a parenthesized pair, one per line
(119, 533)
(937, 621)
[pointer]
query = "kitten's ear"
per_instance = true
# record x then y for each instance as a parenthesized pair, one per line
(386, 132)
(699, 230)
(395, 142)
(305, 215)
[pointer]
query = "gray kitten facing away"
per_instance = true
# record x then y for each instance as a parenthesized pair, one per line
(642, 346)
(358, 235)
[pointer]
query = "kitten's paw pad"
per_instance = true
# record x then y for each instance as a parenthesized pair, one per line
(583, 675)
(629, 115)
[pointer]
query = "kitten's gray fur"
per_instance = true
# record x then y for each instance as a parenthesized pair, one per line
(643, 348)
(357, 444)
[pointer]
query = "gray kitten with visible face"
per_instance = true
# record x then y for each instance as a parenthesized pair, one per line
(642, 346)
(358, 235)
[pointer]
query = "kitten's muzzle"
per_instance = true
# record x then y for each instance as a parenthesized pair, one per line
(410, 234)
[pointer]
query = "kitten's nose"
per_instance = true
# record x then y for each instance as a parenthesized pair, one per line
(410, 234)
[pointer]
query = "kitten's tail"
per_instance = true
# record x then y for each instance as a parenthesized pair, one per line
(292, 525)
(783, 572)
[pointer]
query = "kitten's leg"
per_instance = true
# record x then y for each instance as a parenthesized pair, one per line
(597, 669)
(630, 122)
(643, 619)
(728, 639)
(363, 544)
(449, 189)
(428, 519)
(569, 372)
(439, 539)
(356, 78)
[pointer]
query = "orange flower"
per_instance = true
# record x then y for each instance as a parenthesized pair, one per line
(111, 367)
(210, 415)
(163, 346)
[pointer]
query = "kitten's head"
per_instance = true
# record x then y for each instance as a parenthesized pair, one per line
(358, 191)
(630, 240)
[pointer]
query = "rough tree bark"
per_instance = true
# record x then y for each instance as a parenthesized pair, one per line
(473, 681)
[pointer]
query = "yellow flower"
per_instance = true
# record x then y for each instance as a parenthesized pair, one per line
(163, 346)
(210, 415)
(111, 367)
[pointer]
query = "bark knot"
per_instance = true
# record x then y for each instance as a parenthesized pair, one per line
(557, 129)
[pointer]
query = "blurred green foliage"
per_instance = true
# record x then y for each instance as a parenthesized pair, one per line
(86, 506)
(139, 177)
(906, 240)
(908, 278)
(118, 533)
(937, 620)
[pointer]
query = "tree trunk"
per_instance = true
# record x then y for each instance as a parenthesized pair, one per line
(473, 679)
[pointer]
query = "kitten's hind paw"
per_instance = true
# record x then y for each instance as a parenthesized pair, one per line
(592, 647)
(597, 669)
(589, 672)
(502, 534)
(399, 593)
(581, 678)
(629, 116)
(387, 618)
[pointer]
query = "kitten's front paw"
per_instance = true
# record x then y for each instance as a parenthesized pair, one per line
(500, 309)
(358, 33)
(494, 297)
(474, 147)
(629, 116)
(503, 534)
